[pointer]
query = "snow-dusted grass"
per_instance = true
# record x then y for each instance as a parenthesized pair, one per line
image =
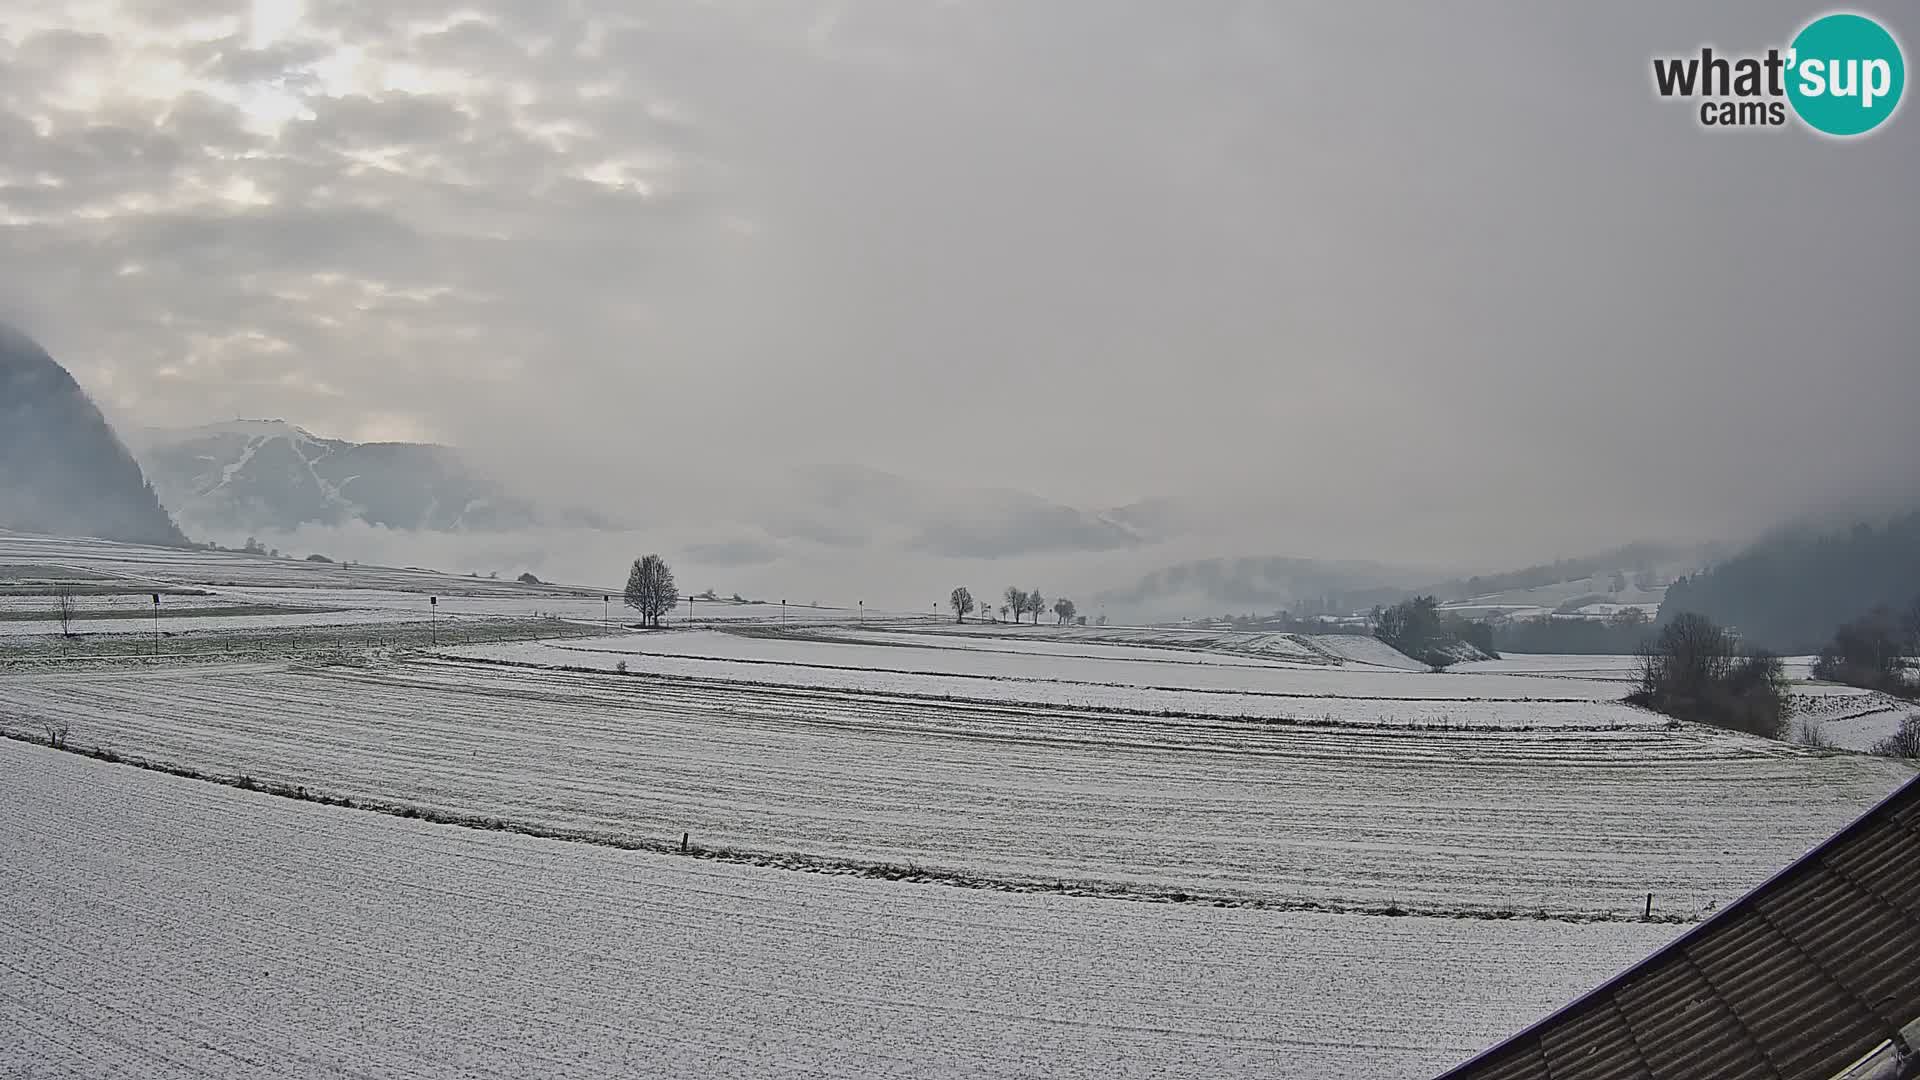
(1605, 667)
(1056, 642)
(1186, 639)
(1300, 705)
(804, 653)
(1576, 823)
(172, 928)
(1848, 717)
(180, 620)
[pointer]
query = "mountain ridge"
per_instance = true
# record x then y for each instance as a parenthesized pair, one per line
(63, 469)
(272, 475)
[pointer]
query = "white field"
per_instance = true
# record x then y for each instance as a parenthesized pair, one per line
(1058, 642)
(313, 595)
(1370, 701)
(1125, 671)
(1850, 718)
(1066, 773)
(1310, 648)
(1580, 823)
(171, 928)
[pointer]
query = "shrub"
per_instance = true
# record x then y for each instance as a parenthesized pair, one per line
(1809, 733)
(1694, 672)
(1903, 743)
(1868, 652)
(620, 668)
(1417, 628)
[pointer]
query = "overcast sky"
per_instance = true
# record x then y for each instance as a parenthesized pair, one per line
(1411, 263)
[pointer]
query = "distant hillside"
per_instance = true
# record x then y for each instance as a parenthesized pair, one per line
(1301, 586)
(854, 505)
(1789, 591)
(62, 469)
(270, 476)
(1594, 586)
(1639, 560)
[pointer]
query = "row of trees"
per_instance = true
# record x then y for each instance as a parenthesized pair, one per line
(651, 592)
(1788, 591)
(1872, 652)
(1018, 602)
(1624, 633)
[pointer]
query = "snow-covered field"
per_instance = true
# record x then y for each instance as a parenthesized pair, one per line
(1058, 642)
(1237, 644)
(1850, 718)
(1100, 789)
(169, 928)
(1581, 823)
(790, 657)
(1370, 702)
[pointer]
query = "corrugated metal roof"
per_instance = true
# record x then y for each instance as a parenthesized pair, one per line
(1801, 978)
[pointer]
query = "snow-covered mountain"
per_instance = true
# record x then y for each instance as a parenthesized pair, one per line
(270, 475)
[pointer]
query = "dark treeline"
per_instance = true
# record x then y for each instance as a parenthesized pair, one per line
(1789, 591)
(1873, 652)
(1544, 634)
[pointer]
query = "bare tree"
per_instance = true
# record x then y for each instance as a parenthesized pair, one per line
(1904, 742)
(63, 603)
(1003, 610)
(1695, 671)
(1016, 601)
(650, 589)
(1035, 605)
(962, 601)
(1063, 611)
(56, 733)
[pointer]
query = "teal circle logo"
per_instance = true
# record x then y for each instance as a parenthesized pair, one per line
(1845, 74)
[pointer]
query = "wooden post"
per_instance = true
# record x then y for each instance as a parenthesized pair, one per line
(683, 843)
(1649, 915)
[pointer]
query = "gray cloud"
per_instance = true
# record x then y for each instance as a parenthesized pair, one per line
(1400, 282)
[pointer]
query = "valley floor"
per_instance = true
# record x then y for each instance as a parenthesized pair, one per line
(163, 927)
(1182, 853)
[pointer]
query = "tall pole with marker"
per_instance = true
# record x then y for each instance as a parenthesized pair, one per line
(156, 624)
(433, 620)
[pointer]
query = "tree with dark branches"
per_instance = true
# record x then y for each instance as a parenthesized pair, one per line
(650, 589)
